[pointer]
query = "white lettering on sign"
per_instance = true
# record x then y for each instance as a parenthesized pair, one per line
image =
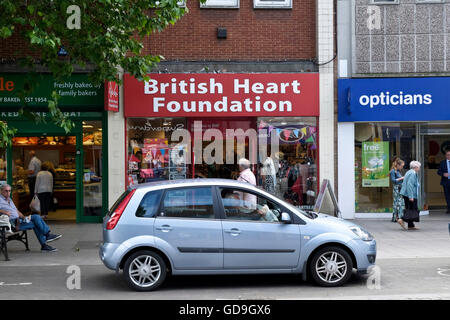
(153, 87)
(223, 105)
(388, 99)
(271, 88)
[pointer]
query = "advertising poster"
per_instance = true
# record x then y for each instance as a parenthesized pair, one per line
(375, 164)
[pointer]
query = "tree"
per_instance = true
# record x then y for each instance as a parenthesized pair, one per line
(106, 35)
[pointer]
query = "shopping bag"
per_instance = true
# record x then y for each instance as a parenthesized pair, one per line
(35, 204)
(4, 221)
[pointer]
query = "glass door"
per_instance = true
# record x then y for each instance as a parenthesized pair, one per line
(435, 139)
(92, 171)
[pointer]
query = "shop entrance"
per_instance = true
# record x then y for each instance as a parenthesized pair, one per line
(57, 154)
(434, 140)
(76, 161)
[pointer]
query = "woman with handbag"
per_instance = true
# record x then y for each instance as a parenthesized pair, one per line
(44, 189)
(410, 193)
(397, 181)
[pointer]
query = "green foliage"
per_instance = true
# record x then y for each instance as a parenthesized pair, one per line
(110, 37)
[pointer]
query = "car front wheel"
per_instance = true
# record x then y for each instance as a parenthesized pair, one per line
(331, 267)
(144, 270)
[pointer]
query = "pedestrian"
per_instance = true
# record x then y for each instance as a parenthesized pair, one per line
(19, 222)
(44, 189)
(51, 169)
(444, 172)
(246, 175)
(397, 180)
(410, 190)
(33, 169)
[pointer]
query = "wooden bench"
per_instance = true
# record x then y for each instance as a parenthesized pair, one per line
(5, 237)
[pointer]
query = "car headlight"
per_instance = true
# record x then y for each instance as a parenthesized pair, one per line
(361, 233)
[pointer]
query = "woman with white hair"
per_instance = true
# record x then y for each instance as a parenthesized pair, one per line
(247, 175)
(410, 190)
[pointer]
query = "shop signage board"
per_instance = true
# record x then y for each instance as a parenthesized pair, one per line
(375, 164)
(222, 95)
(75, 91)
(393, 99)
(111, 96)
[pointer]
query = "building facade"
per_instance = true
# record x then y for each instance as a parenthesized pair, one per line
(252, 67)
(392, 69)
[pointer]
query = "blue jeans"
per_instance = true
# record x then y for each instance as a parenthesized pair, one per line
(39, 226)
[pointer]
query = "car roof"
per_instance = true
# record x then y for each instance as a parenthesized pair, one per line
(192, 182)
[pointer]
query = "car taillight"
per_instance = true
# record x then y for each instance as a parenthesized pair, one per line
(115, 216)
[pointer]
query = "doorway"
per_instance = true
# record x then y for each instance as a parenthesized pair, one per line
(435, 139)
(58, 154)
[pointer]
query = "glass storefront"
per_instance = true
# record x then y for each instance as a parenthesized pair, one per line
(288, 171)
(376, 145)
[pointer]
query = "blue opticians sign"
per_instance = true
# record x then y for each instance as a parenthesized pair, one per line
(394, 99)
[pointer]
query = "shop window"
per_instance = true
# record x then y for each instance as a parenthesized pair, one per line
(220, 4)
(152, 155)
(2, 166)
(285, 4)
(188, 203)
(290, 171)
(376, 145)
(385, 1)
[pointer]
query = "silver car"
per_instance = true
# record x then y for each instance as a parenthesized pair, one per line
(217, 226)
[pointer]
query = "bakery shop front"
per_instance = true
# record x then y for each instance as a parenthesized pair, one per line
(182, 126)
(76, 159)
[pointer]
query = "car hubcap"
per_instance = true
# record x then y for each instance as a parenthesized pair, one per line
(144, 271)
(331, 267)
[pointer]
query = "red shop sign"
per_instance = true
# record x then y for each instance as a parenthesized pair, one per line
(111, 96)
(220, 95)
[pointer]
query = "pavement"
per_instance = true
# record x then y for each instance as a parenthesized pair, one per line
(80, 242)
(413, 265)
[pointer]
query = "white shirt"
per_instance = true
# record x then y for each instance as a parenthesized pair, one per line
(44, 182)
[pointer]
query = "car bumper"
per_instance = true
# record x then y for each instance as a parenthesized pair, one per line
(365, 253)
(108, 255)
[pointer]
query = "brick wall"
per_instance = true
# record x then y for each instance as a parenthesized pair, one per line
(263, 34)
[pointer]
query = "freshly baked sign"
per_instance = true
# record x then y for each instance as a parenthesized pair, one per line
(189, 95)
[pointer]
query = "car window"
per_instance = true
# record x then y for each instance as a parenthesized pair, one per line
(149, 204)
(188, 203)
(239, 205)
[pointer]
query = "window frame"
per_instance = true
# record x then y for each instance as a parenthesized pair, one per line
(221, 208)
(271, 4)
(234, 5)
(383, 2)
(214, 203)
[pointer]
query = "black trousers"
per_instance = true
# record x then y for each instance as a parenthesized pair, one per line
(410, 205)
(447, 196)
(45, 198)
(31, 183)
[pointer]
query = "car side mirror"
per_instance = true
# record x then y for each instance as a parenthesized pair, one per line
(286, 218)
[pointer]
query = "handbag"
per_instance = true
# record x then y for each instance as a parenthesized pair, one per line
(35, 204)
(411, 215)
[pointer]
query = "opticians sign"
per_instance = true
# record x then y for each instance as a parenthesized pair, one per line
(218, 95)
(394, 99)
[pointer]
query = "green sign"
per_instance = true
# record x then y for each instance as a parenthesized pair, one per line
(76, 91)
(375, 164)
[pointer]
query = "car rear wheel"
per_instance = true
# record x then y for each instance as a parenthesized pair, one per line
(331, 267)
(144, 270)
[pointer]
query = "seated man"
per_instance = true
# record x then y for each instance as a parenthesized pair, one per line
(36, 223)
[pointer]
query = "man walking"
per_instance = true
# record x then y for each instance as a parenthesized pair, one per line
(33, 169)
(444, 172)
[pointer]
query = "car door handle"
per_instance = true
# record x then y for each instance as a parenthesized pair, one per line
(233, 231)
(164, 228)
